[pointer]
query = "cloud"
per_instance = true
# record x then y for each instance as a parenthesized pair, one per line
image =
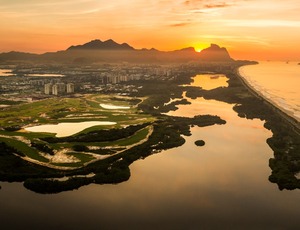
(262, 23)
(240, 38)
(205, 4)
(182, 24)
(218, 5)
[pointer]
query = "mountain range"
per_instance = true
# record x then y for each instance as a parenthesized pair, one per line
(99, 45)
(111, 51)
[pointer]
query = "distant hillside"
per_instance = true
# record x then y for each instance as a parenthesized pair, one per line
(17, 56)
(214, 53)
(99, 45)
(110, 51)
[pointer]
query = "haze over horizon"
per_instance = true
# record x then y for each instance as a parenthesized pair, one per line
(249, 29)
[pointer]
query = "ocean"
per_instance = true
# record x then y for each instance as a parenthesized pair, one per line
(278, 82)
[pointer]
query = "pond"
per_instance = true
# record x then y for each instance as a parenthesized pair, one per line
(210, 81)
(109, 106)
(67, 128)
(6, 73)
(44, 75)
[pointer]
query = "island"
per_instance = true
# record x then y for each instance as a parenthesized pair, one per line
(200, 143)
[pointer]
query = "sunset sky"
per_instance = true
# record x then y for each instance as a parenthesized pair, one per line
(249, 29)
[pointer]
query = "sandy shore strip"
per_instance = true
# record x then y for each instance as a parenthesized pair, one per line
(287, 115)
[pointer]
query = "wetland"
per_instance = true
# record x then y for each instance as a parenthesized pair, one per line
(249, 150)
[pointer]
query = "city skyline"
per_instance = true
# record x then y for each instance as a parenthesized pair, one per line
(249, 29)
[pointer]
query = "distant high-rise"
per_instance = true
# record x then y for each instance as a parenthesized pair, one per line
(123, 78)
(55, 89)
(58, 88)
(48, 88)
(70, 88)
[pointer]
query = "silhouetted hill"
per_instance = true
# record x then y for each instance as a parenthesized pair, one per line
(99, 45)
(110, 51)
(214, 53)
(17, 56)
(145, 49)
(187, 49)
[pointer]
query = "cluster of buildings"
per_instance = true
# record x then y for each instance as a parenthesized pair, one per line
(116, 79)
(59, 88)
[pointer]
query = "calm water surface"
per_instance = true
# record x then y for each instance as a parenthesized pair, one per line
(45, 75)
(65, 129)
(6, 73)
(208, 81)
(222, 185)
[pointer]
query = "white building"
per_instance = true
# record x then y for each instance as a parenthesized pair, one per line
(55, 89)
(58, 88)
(70, 88)
(48, 88)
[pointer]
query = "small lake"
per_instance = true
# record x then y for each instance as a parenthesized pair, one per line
(44, 75)
(210, 81)
(200, 106)
(67, 128)
(6, 73)
(109, 106)
(4, 106)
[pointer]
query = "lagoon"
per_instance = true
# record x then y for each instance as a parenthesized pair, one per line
(222, 185)
(210, 81)
(67, 128)
(201, 106)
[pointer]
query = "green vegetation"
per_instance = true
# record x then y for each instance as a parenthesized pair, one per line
(9, 102)
(23, 149)
(68, 110)
(200, 143)
(138, 136)
(31, 144)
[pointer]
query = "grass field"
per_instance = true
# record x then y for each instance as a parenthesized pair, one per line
(57, 110)
(24, 148)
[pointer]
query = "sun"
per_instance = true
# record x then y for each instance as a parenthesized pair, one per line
(198, 49)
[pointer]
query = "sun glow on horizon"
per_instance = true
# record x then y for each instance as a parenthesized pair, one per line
(197, 49)
(200, 46)
(42, 26)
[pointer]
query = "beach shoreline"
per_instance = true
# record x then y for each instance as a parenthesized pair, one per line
(285, 114)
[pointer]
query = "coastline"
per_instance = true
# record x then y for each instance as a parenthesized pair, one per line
(285, 114)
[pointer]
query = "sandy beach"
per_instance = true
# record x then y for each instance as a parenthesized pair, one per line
(287, 115)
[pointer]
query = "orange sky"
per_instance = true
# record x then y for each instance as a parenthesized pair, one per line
(249, 29)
